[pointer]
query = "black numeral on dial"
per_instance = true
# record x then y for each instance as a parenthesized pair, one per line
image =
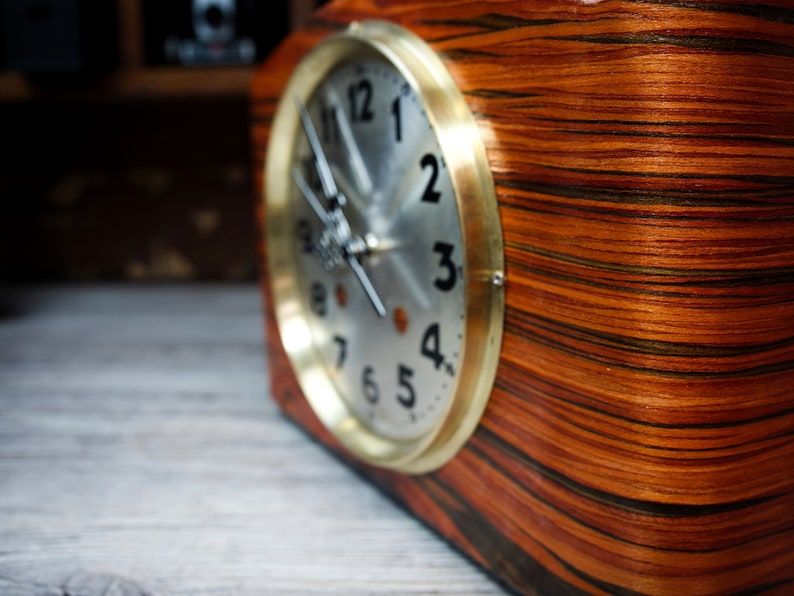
(431, 195)
(318, 299)
(341, 343)
(310, 173)
(398, 125)
(446, 283)
(329, 125)
(406, 396)
(369, 386)
(360, 97)
(303, 231)
(431, 345)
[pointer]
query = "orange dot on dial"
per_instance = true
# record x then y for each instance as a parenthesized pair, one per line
(400, 320)
(341, 295)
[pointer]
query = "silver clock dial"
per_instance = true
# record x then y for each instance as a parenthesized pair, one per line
(378, 248)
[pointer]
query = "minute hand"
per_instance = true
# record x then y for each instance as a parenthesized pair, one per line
(323, 168)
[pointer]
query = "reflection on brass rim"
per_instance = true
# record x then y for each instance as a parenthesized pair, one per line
(467, 163)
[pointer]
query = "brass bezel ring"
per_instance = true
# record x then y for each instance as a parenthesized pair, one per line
(467, 163)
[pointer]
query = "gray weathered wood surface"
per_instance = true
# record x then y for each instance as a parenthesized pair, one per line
(140, 454)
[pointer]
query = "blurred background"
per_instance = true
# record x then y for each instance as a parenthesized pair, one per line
(124, 137)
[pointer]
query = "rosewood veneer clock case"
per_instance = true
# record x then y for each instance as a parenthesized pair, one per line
(638, 430)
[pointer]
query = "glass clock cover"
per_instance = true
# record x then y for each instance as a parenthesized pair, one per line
(384, 246)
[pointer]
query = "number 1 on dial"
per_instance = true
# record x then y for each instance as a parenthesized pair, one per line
(395, 111)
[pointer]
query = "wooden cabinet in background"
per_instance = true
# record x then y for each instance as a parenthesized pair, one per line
(141, 171)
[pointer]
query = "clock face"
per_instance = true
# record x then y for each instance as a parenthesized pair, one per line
(396, 367)
(384, 248)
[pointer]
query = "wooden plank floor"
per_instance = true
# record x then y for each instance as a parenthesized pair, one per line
(140, 454)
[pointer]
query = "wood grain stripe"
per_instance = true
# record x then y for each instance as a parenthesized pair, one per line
(634, 506)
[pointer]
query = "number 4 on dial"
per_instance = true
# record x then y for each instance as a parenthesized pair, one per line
(431, 345)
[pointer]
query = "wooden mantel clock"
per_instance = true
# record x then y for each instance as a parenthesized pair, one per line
(529, 267)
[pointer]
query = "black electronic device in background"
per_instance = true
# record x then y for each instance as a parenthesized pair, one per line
(206, 32)
(58, 36)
